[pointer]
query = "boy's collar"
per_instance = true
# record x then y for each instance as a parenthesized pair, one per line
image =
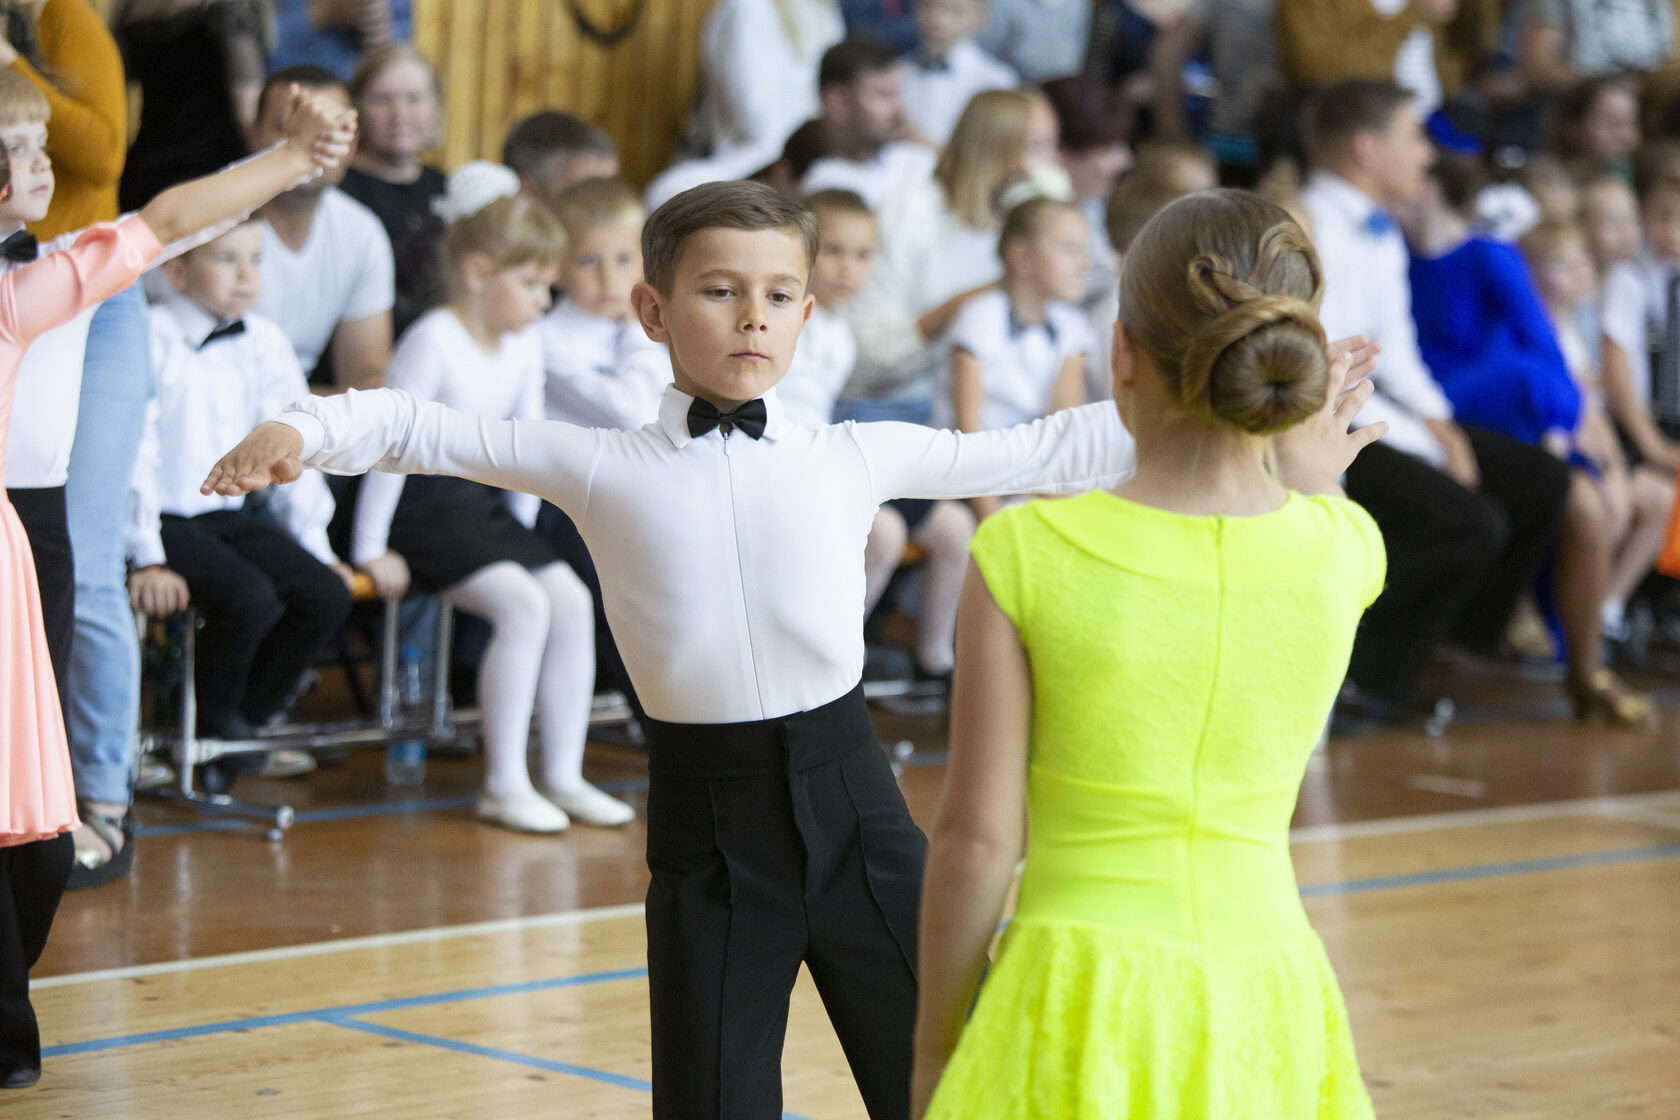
(196, 323)
(673, 417)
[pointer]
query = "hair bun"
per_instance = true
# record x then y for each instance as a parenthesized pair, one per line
(1260, 362)
(474, 186)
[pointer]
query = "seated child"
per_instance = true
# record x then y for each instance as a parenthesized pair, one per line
(1639, 315)
(821, 365)
(475, 545)
(1018, 350)
(728, 539)
(601, 370)
(1636, 500)
(949, 67)
(1610, 219)
(265, 581)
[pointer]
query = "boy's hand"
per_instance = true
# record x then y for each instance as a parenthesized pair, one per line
(157, 592)
(320, 128)
(389, 574)
(1315, 453)
(269, 454)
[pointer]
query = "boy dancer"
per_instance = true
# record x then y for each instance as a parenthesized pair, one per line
(730, 540)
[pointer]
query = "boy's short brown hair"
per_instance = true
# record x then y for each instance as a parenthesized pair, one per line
(736, 204)
(1138, 196)
(21, 101)
(1337, 113)
(597, 202)
(836, 200)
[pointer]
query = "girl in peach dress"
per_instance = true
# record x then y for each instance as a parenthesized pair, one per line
(37, 798)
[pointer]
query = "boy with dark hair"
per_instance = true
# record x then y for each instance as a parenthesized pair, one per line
(1467, 514)
(730, 540)
(552, 150)
(861, 87)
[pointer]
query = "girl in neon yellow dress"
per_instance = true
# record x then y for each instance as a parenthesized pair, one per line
(1147, 671)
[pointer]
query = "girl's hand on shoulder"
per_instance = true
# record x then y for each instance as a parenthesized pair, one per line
(268, 455)
(1314, 454)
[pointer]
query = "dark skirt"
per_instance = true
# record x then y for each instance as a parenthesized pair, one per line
(448, 528)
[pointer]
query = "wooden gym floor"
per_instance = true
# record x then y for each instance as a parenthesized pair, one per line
(1502, 906)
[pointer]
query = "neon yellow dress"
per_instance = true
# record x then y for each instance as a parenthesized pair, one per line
(1159, 965)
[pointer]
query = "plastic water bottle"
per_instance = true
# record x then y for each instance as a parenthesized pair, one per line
(405, 762)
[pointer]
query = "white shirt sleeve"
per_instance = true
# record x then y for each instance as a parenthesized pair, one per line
(1077, 449)
(418, 368)
(305, 508)
(525, 507)
(390, 430)
(143, 535)
(1621, 310)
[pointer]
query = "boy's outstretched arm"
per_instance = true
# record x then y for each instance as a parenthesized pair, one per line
(319, 134)
(389, 430)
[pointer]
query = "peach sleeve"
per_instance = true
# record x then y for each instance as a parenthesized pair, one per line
(105, 259)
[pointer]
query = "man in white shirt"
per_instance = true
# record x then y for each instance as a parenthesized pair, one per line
(269, 588)
(1467, 515)
(949, 68)
(327, 270)
(861, 86)
(729, 541)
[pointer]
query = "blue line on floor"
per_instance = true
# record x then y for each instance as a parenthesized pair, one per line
(547, 1064)
(1317, 890)
(352, 812)
(403, 1003)
(1492, 870)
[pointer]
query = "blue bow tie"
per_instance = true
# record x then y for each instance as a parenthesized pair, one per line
(1018, 328)
(1380, 223)
(929, 62)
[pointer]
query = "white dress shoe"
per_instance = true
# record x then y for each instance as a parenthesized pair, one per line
(591, 806)
(527, 811)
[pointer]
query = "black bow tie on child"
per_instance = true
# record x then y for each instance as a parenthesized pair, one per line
(703, 416)
(230, 329)
(20, 247)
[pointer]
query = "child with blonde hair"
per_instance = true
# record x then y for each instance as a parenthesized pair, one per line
(476, 546)
(38, 805)
(1119, 677)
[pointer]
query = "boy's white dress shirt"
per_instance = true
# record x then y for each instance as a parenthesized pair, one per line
(935, 95)
(1367, 290)
(439, 361)
(731, 568)
(1019, 363)
(209, 396)
(600, 373)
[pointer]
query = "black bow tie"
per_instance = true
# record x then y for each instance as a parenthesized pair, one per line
(230, 329)
(1018, 328)
(20, 247)
(932, 64)
(703, 416)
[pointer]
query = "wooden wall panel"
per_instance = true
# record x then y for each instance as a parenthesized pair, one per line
(503, 59)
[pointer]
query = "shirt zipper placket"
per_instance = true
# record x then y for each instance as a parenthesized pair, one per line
(740, 566)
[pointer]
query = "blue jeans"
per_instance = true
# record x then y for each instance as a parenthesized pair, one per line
(104, 678)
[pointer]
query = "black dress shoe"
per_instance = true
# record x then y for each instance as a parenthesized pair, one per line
(20, 1078)
(232, 727)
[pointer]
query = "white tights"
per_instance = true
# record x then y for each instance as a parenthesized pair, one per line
(943, 536)
(541, 654)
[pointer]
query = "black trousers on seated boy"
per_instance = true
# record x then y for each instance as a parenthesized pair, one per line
(267, 604)
(773, 843)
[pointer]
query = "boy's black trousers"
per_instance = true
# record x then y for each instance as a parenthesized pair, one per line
(773, 843)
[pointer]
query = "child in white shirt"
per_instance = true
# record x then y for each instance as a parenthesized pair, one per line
(1018, 351)
(270, 594)
(477, 546)
(949, 68)
(601, 370)
(822, 363)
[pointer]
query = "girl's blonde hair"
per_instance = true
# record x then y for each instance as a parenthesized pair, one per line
(1221, 290)
(511, 231)
(984, 152)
